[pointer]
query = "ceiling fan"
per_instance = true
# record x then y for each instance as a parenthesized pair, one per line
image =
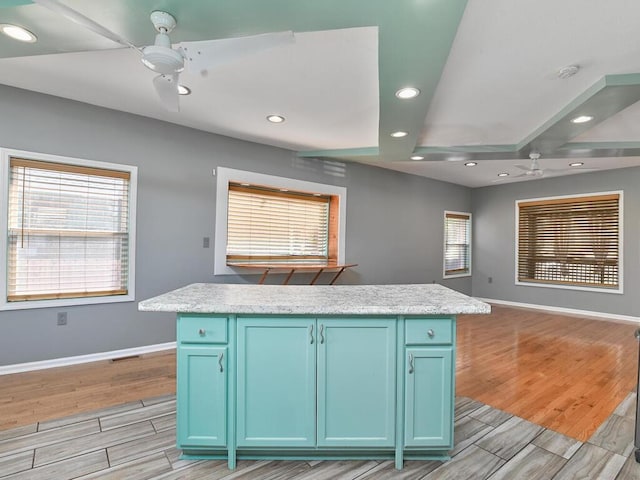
(169, 62)
(534, 170)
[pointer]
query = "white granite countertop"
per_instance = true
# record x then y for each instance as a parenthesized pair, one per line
(429, 299)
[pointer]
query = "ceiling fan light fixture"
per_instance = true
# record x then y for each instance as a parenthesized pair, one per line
(162, 59)
(275, 118)
(183, 90)
(582, 119)
(17, 33)
(407, 93)
(399, 134)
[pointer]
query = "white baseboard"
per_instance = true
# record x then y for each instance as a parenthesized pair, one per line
(570, 311)
(92, 357)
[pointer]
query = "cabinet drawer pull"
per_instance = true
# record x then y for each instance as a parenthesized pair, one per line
(411, 367)
(431, 333)
(220, 361)
(311, 334)
(322, 333)
(202, 332)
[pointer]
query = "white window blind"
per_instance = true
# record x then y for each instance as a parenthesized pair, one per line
(570, 241)
(457, 238)
(269, 225)
(68, 231)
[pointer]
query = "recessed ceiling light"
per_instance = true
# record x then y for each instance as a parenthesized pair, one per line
(182, 90)
(576, 164)
(399, 134)
(17, 33)
(417, 157)
(503, 174)
(408, 92)
(275, 118)
(471, 164)
(582, 119)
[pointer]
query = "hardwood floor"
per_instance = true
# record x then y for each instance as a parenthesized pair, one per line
(564, 373)
(30, 397)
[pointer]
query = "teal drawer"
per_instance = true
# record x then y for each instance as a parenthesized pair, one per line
(202, 329)
(428, 331)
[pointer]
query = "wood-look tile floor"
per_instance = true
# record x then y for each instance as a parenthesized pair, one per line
(135, 441)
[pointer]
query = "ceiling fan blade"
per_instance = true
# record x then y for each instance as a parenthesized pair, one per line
(76, 17)
(167, 89)
(203, 55)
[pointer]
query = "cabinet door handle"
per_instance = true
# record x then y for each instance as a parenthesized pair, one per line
(311, 334)
(411, 367)
(322, 333)
(220, 361)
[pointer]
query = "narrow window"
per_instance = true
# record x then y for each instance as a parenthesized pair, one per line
(68, 231)
(570, 241)
(457, 244)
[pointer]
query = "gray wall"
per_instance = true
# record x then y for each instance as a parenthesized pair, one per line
(394, 220)
(494, 241)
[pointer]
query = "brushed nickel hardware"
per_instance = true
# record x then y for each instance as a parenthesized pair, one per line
(411, 366)
(322, 333)
(311, 333)
(220, 361)
(202, 332)
(431, 333)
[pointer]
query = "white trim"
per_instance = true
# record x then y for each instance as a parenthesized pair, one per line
(570, 311)
(224, 175)
(5, 154)
(620, 289)
(92, 357)
(444, 245)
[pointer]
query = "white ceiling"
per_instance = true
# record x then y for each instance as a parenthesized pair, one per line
(498, 84)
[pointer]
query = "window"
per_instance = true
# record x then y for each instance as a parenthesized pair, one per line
(69, 231)
(275, 220)
(571, 241)
(457, 244)
(270, 225)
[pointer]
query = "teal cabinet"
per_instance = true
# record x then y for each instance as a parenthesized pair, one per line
(202, 396)
(315, 387)
(325, 383)
(202, 382)
(276, 386)
(356, 382)
(429, 398)
(429, 379)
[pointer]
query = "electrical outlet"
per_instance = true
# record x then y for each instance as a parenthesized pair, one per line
(205, 242)
(62, 318)
(490, 280)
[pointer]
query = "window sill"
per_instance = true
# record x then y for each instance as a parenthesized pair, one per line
(66, 302)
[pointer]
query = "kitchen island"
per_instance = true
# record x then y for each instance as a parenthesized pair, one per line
(315, 372)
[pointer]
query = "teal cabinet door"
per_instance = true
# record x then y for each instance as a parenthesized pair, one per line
(202, 396)
(429, 397)
(276, 382)
(356, 382)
